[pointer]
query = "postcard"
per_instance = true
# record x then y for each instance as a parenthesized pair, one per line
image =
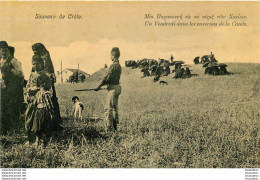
(169, 85)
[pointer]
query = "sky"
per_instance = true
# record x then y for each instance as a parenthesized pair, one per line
(88, 41)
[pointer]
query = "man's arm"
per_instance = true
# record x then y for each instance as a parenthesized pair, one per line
(106, 78)
(103, 82)
(17, 68)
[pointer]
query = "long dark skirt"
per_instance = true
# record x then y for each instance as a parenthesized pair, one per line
(37, 120)
(39, 117)
(10, 110)
(57, 118)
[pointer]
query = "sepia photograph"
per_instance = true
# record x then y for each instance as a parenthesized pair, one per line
(112, 84)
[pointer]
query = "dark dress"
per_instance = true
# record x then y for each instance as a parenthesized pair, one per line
(39, 116)
(11, 94)
(48, 67)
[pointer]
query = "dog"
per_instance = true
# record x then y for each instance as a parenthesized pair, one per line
(163, 82)
(77, 108)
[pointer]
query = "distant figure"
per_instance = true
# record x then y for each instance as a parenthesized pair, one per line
(152, 62)
(131, 63)
(223, 70)
(179, 73)
(153, 70)
(196, 60)
(142, 63)
(77, 108)
(212, 57)
(134, 65)
(208, 70)
(187, 73)
(161, 61)
(212, 70)
(145, 72)
(177, 66)
(215, 71)
(114, 90)
(158, 73)
(166, 70)
(205, 59)
(172, 59)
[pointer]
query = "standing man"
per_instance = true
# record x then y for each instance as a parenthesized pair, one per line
(12, 78)
(114, 90)
(212, 58)
(172, 58)
(40, 49)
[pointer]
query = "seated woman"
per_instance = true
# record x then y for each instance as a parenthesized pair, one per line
(39, 115)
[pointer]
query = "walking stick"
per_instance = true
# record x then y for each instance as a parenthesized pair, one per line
(89, 89)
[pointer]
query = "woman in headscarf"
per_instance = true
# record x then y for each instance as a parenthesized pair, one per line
(39, 122)
(40, 49)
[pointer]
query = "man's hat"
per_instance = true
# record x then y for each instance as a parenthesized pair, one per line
(116, 50)
(12, 50)
(3, 44)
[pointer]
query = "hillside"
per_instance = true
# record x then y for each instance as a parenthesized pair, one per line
(201, 122)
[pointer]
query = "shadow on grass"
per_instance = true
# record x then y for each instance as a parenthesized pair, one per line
(185, 77)
(66, 119)
(10, 140)
(93, 120)
(78, 130)
(90, 128)
(232, 73)
(85, 119)
(228, 74)
(15, 134)
(194, 75)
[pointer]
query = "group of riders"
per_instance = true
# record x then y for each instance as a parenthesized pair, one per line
(211, 65)
(151, 67)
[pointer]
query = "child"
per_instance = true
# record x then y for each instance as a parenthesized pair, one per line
(39, 114)
(112, 80)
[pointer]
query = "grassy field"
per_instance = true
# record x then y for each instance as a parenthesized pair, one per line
(201, 122)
